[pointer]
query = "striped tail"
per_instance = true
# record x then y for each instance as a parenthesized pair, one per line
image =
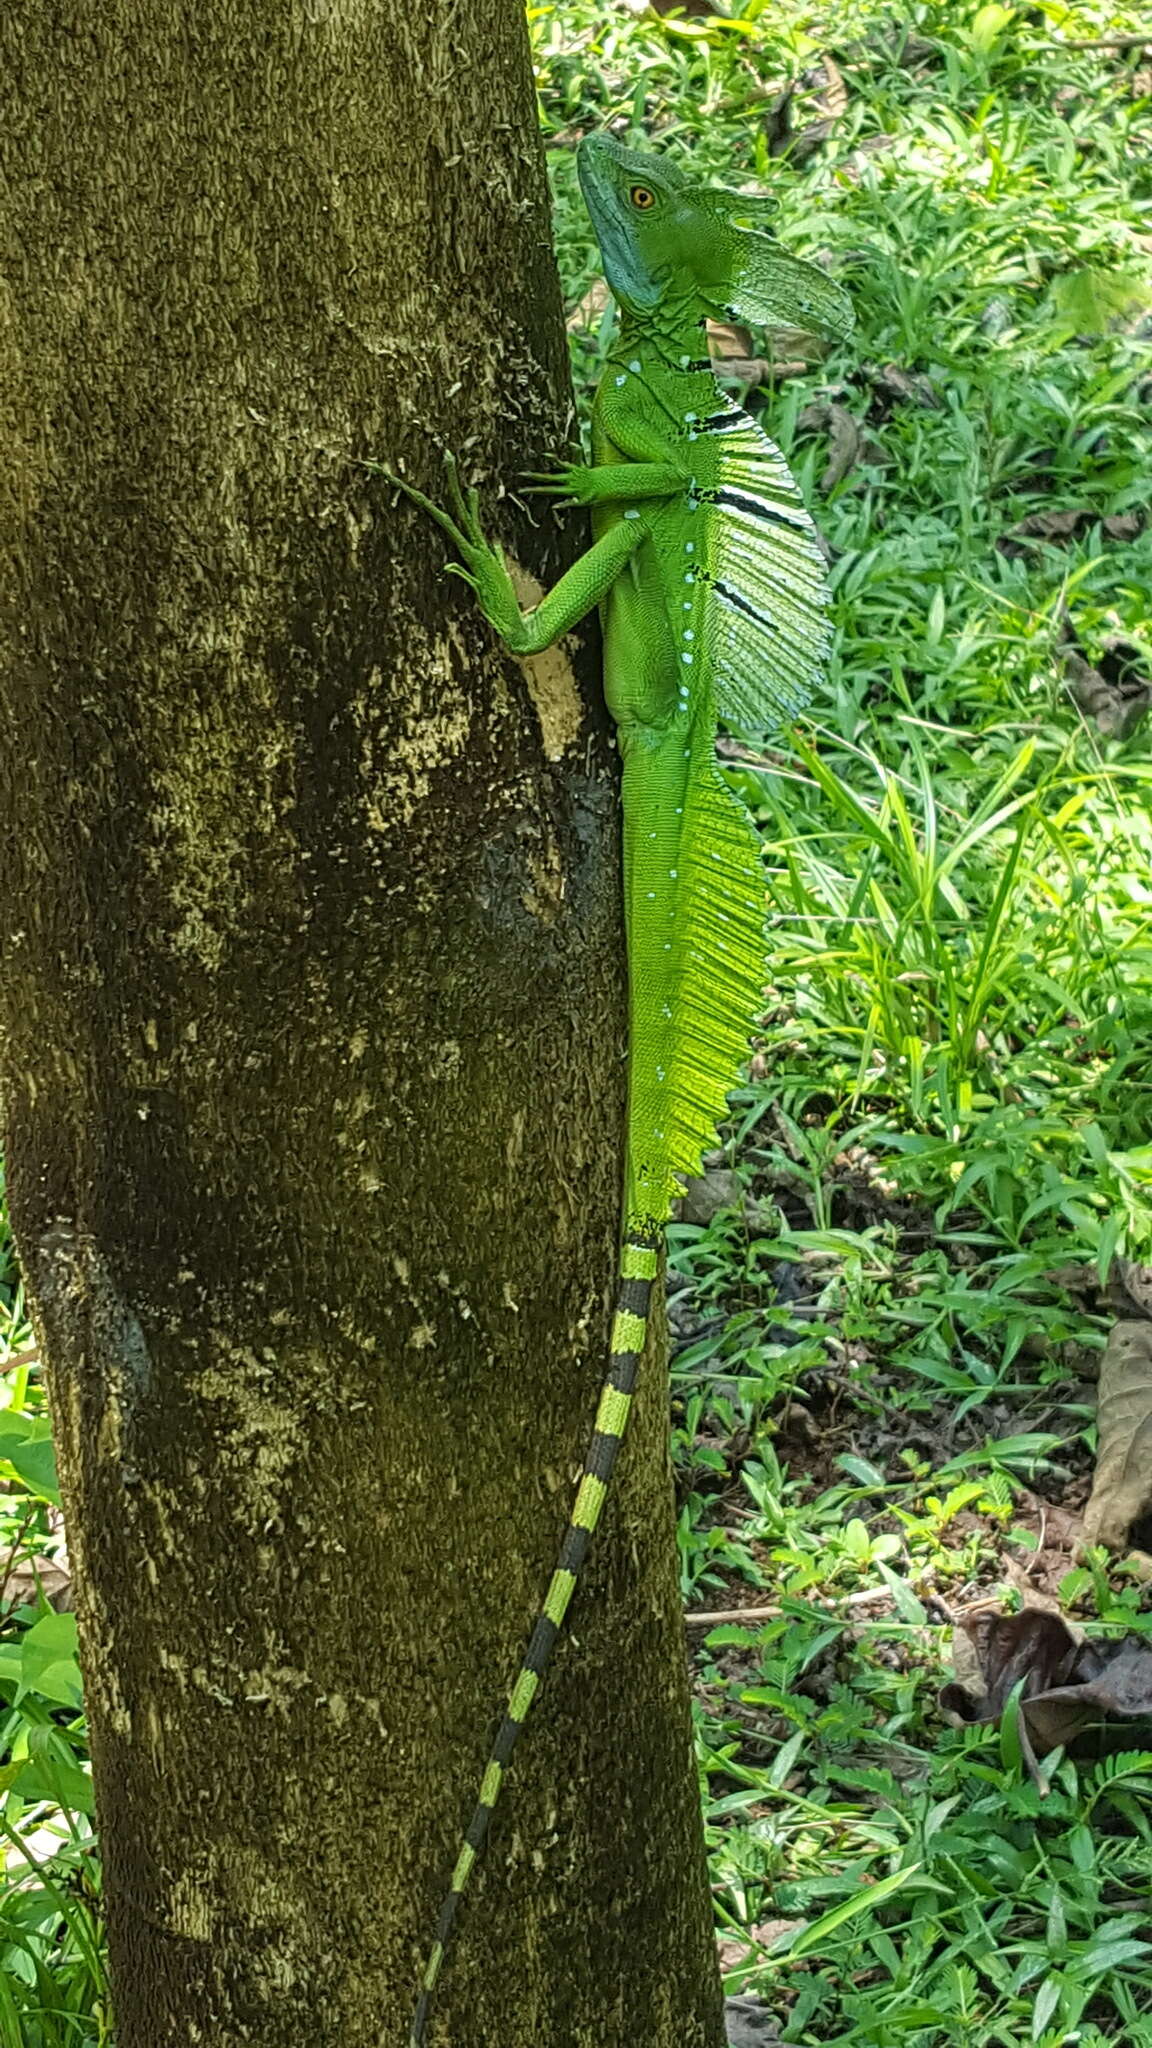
(638, 1261)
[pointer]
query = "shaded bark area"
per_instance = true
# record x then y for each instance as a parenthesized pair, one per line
(312, 1040)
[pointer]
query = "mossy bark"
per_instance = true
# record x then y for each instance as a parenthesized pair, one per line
(312, 1039)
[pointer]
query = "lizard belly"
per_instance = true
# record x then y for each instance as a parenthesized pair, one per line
(640, 679)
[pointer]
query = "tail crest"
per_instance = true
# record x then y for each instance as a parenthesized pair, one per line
(639, 1258)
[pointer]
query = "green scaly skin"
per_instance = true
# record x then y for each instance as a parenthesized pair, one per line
(711, 587)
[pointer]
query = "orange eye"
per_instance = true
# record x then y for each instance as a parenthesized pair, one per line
(642, 198)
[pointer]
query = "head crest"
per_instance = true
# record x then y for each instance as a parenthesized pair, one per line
(664, 239)
(762, 281)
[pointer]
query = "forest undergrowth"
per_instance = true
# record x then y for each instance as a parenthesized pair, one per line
(891, 1290)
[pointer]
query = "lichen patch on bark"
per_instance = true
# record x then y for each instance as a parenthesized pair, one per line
(552, 681)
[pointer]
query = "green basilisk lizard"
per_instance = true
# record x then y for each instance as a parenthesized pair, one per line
(711, 586)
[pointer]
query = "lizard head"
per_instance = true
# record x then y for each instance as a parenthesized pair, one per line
(664, 239)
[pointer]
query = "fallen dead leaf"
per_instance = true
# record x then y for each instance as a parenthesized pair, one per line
(591, 308)
(1112, 1680)
(909, 387)
(845, 439)
(1136, 1281)
(1114, 691)
(752, 371)
(726, 340)
(706, 1194)
(31, 1579)
(831, 99)
(749, 2023)
(1122, 1483)
(1068, 1683)
(1068, 522)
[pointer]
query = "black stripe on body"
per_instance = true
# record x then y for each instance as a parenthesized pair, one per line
(602, 1453)
(540, 1643)
(478, 1825)
(633, 1297)
(622, 1370)
(725, 422)
(505, 1743)
(574, 1548)
(756, 508)
(740, 603)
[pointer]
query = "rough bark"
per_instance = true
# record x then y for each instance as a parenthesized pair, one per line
(312, 1033)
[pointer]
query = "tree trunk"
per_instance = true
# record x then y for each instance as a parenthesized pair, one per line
(312, 1041)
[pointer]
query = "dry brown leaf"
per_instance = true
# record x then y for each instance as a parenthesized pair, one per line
(909, 387)
(705, 1194)
(1112, 1679)
(1136, 1281)
(591, 308)
(1115, 691)
(1067, 524)
(845, 440)
(753, 370)
(1031, 1645)
(726, 340)
(733, 1952)
(749, 2023)
(1023, 1578)
(1067, 1684)
(766, 1932)
(834, 98)
(35, 1578)
(917, 50)
(1055, 525)
(1122, 1483)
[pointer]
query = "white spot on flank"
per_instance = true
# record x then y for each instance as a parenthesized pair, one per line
(688, 633)
(634, 366)
(684, 362)
(651, 895)
(693, 436)
(686, 657)
(630, 514)
(689, 547)
(672, 873)
(620, 381)
(687, 604)
(690, 419)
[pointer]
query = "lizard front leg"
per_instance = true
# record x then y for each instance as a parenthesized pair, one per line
(579, 591)
(610, 483)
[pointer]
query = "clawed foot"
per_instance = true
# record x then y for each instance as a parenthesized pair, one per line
(568, 481)
(481, 565)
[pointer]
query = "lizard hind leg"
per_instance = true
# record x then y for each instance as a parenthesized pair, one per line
(639, 1259)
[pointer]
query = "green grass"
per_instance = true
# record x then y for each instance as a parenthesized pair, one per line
(879, 1384)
